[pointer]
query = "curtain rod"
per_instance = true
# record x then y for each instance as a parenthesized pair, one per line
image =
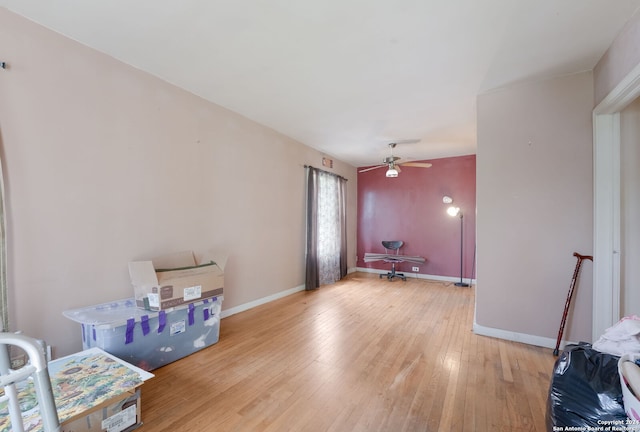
(328, 172)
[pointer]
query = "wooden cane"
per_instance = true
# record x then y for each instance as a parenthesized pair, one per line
(569, 295)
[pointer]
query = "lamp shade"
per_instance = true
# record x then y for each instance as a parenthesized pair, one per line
(453, 211)
(392, 172)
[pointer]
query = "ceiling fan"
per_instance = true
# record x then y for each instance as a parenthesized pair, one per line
(391, 162)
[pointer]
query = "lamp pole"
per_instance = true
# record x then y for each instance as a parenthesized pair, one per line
(461, 283)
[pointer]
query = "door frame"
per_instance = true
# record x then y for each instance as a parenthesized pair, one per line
(606, 201)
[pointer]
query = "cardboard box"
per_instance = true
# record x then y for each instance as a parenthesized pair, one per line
(121, 414)
(95, 391)
(173, 280)
(92, 391)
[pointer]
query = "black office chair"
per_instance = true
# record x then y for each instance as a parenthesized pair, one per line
(393, 247)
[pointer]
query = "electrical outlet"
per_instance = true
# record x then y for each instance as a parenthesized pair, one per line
(415, 269)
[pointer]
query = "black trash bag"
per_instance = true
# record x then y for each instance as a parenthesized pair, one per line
(585, 389)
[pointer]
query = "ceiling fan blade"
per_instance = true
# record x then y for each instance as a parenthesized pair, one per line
(407, 141)
(417, 164)
(372, 168)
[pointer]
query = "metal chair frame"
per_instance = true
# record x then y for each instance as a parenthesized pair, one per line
(37, 369)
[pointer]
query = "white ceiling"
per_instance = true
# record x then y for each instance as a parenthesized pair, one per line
(346, 76)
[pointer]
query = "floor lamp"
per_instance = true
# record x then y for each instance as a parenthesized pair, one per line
(455, 211)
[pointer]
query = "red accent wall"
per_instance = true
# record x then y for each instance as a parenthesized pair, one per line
(410, 208)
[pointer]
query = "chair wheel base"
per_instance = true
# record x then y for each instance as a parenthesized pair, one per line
(390, 276)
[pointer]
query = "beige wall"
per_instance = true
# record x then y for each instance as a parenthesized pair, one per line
(535, 206)
(105, 164)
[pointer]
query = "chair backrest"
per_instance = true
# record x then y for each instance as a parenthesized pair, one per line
(393, 245)
(36, 369)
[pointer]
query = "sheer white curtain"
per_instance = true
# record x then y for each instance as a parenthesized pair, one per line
(326, 228)
(329, 229)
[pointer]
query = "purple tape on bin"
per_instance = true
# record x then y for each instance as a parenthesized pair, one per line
(131, 323)
(93, 331)
(205, 311)
(162, 321)
(192, 309)
(144, 322)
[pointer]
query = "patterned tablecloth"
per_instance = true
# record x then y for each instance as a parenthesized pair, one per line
(79, 382)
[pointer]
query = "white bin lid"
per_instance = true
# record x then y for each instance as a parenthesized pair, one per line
(117, 313)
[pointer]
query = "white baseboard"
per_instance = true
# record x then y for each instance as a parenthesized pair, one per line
(417, 275)
(250, 305)
(540, 341)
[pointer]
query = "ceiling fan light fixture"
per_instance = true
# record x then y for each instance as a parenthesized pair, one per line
(392, 172)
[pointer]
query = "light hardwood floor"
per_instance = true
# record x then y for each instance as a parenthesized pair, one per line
(364, 354)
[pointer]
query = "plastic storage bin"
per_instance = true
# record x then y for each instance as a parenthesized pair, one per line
(148, 339)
